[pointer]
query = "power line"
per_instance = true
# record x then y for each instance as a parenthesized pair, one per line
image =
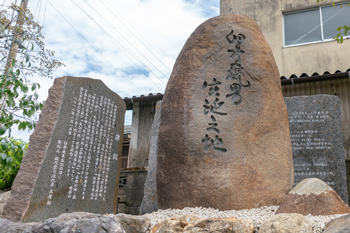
(165, 65)
(45, 13)
(92, 45)
(111, 26)
(125, 48)
(112, 39)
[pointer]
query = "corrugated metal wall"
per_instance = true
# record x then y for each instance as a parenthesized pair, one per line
(339, 87)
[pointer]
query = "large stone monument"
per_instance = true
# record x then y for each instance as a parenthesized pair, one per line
(224, 138)
(317, 140)
(73, 160)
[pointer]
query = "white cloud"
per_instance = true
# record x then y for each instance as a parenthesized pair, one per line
(164, 26)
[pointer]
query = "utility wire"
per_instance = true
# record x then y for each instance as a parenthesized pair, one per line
(125, 48)
(92, 45)
(112, 39)
(45, 13)
(111, 26)
(165, 65)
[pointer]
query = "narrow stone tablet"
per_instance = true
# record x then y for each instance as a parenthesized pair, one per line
(224, 136)
(73, 160)
(317, 140)
(149, 202)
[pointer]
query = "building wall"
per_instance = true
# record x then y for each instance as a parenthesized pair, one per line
(142, 120)
(318, 57)
(130, 192)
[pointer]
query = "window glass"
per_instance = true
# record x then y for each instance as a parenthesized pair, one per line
(302, 27)
(334, 17)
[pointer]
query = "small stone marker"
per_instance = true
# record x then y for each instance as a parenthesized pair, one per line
(149, 202)
(224, 138)
(317, 140)
(315, 197)
(73, 160)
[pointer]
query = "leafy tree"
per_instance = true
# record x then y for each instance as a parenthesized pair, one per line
(18, 95)
(343, 30)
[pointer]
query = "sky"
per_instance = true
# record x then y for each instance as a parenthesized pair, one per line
(130, 45)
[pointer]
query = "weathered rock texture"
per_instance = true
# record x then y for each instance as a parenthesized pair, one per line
(315, 126)
(72, 161)
(149, 202)
(338, 225)
(81, 222)
(3, 198)
(191, 224)
(291, 223)
(224, 137)
(315, 197)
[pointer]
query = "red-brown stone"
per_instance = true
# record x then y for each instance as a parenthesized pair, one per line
(249, 164)
(315, 197)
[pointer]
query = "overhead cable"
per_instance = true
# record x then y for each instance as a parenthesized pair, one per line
(137, 37)
(92, 45)
(112, 39)
(111, 26)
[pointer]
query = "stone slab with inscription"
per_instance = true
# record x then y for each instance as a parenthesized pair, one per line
(73, 160)
(317, 140)
(224, 137)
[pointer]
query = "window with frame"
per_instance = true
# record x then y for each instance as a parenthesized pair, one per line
(314, 25)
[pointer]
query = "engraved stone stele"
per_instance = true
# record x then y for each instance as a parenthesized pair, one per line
(224, 136)
(73, 160)
(317, 140)
(149, 202)
(315, 197)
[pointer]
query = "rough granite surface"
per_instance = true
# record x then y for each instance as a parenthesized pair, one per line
(224, 137)
(315, 197)
(74, 150)
(317, 140)
(149, 202)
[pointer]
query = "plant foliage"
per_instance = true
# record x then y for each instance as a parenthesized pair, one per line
(18, 96)
(343, 30)
(11, 154)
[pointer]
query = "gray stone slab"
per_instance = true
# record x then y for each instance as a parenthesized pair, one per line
(149, 203)
(73, 160)
(317, 140)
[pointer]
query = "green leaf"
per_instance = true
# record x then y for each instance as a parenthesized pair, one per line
(9, 160)
(33, 86)
(4, 146)
(3, 156)
(11, 101)
(341, 40)
(13, 62)
(338, 29)
(22, 125)
(36, 96)
(27, 57)
(2, 130)
(25, 89)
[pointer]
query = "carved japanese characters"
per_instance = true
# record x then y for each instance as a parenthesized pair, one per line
(72, 162)
(224, 138)
(317, 140)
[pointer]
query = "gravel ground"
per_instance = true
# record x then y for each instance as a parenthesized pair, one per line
(258, 215)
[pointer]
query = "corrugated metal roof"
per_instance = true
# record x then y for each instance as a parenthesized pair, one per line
(304, 77)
